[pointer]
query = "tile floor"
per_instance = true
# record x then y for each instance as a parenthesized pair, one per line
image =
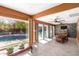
(53, 48)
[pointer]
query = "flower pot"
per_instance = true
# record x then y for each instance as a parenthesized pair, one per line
(10, 49)
(9, 52)
(21, 46)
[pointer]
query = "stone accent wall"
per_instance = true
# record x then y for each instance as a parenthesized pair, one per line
(72, 30)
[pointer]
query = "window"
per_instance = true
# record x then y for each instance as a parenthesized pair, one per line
(13, 31)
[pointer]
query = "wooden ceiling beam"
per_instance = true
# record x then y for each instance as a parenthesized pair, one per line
(42, 22)
(59, 8)
(4, 11)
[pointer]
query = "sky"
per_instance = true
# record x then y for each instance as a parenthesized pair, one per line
(7, 20)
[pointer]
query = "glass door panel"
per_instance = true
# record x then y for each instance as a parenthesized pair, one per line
(40, 31)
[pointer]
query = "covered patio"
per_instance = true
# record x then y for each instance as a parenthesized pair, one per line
(52, 29)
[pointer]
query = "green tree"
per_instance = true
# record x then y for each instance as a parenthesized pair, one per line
(21, 25)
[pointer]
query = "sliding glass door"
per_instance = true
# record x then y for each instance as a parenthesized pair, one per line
(51, 32)
(45, 32)
(40, 31)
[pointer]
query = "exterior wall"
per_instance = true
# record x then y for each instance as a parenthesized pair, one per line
(71, 29)
(58, 28)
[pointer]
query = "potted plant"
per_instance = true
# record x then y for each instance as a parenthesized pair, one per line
(10, 49)
(22, 45)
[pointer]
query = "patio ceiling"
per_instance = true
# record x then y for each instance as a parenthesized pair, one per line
(69, 16)
(59, 8)
(45, 12)
(30, 8)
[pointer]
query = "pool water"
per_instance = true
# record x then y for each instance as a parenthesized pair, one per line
(13, 37)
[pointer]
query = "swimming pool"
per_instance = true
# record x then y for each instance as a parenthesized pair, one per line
(13, 37)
